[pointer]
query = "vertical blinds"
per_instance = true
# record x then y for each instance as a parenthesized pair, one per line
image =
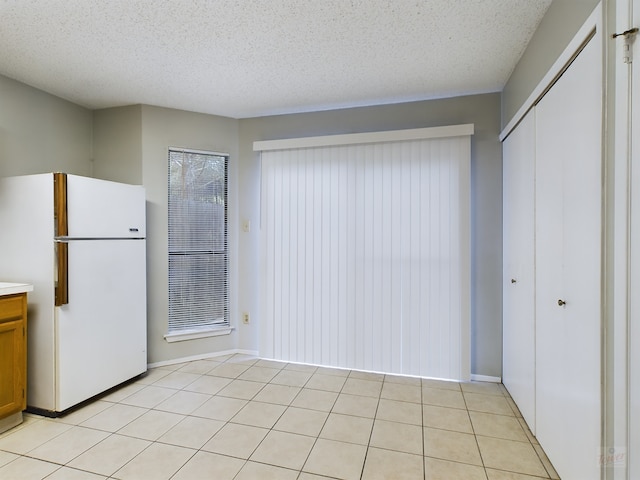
(198, 254)
(365, 256)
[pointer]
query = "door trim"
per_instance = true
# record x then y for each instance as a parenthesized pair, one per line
(581, 38)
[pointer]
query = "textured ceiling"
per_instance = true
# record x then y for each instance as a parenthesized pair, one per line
(247, 58)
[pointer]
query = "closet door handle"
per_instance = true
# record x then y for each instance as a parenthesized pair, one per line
(561, 302)
(513, 280)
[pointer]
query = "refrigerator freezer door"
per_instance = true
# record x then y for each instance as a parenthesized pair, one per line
(101, 332)
(103, 209)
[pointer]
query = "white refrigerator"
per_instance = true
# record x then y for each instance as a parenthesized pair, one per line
(81, 243)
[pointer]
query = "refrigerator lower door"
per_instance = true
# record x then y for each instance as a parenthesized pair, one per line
(101, 333)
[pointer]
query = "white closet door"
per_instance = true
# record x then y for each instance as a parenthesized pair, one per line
(568, 267)
(518, 371)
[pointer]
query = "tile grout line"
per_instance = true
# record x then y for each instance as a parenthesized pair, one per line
(246, 461)
(198, 450)
(286, 407)
(227, 422)
(317, 436)
(529, 435)
(62, 465)
(475, 436)
(373, 426)
(423, 432)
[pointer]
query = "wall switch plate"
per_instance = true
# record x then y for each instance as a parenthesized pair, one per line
(245, 318)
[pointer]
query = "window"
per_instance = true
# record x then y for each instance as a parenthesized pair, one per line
(198, 247)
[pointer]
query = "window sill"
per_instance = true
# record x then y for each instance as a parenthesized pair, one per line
(195, 334)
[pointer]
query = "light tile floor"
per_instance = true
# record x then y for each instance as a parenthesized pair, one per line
(239, 417)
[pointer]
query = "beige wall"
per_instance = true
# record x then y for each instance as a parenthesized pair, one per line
(41, 133)
(486, 198)
(559, 25)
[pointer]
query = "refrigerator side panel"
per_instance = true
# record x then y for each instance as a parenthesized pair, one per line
(104, 209)
(101, 333)
(27, 256)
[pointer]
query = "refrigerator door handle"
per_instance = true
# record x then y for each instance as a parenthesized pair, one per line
(61, 230)
(62, 273)
(60, 204)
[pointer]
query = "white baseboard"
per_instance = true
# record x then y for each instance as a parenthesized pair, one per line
(203, 356)
(474, 377)
(485, 378)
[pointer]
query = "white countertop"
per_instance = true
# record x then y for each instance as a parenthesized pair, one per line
(12, 288)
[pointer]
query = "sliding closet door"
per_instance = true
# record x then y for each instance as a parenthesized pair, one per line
(568, 267)
(518, 339)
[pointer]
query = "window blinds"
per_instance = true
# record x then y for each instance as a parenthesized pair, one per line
(366, 256)
(198, 255)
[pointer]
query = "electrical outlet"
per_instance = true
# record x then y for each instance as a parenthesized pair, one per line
(245, 318)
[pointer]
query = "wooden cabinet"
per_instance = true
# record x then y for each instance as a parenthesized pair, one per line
(13, 355)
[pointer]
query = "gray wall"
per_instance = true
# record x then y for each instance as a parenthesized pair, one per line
(163, 128)
(41, 133)
(557, 28)
(117, 144)
(486, 197)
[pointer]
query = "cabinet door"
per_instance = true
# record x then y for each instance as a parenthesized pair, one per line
(12, 367)
(568, 267)
(518, 371)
